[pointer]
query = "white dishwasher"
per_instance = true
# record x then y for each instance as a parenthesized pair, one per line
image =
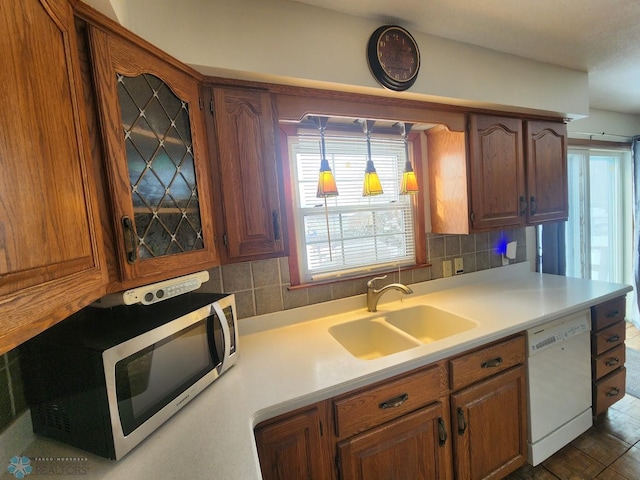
(559, 369)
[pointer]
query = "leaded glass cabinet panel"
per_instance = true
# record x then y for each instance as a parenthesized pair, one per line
(156, 164)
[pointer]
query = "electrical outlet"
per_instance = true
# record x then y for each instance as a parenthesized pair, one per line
(446, 268)
(458, 266)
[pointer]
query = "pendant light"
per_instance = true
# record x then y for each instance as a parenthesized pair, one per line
(409, 183)
(372, 184)
(326, 182)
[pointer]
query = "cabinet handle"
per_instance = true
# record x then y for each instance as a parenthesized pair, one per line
(534, 205)
(613, 338)
(276, 225)
(394, 402)
(613, 392)
(612, 361)
(523, 206)
(462, 423)
(442, 431)
(615, 313)
(130, 240)
(495, 362)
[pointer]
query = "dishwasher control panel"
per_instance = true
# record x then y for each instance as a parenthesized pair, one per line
(557, 331)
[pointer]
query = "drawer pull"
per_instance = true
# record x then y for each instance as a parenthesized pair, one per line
(613, 392)
(612, 361)
(615, 313)
(394, 402)
(496, 362)
(613, 338)
(442, 432)
(462, 423)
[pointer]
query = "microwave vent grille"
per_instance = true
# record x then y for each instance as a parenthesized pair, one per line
(54, 416)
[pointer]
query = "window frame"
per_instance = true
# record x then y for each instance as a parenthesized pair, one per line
(417, 204)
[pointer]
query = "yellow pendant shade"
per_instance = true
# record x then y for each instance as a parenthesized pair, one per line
(326, 182)
(372, 185)
(409, 184)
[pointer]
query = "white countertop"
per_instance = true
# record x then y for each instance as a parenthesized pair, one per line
(288, 360)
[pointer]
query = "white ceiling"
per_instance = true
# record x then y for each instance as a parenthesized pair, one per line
(601, 37)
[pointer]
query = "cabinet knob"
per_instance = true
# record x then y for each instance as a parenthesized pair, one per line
(493, 363)
(442, 432)
(394, 402)
(615, 313)
(613, 338)
(130, 240)
(523, 206)
(612, 392)
(533, 204)
(612, 361)
(462, 423)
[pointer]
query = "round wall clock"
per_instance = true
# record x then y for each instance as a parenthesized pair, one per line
(394, 58)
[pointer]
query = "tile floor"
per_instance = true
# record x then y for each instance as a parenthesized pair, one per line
(610, 450)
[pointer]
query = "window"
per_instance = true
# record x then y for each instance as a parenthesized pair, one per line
(353, 235)
(598, 232)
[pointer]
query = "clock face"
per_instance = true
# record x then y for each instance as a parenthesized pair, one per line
(393, 57)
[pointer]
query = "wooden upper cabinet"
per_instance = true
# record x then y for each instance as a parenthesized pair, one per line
(242, 129)
(497, 183)
(51, 260)
(157, 171)
(504, 173)
(547, 184)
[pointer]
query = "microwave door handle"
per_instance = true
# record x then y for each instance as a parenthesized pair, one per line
(225, 332)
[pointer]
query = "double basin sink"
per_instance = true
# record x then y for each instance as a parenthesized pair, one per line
(385, 333)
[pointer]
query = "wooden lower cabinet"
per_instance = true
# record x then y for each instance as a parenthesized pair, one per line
(292, 448)
(411, 426)
(414, 446)
(608, 374)
(489, 438)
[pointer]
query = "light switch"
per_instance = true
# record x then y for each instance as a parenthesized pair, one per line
(446, 268)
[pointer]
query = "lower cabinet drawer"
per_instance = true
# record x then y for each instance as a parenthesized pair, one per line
(608, 338)
(608, 313)
(372, 406)
(609, 390)
(486, 361)
(608, 362)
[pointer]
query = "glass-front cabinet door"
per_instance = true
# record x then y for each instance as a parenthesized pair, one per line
(154, 141)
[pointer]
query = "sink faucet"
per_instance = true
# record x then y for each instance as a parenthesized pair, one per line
(373, 295)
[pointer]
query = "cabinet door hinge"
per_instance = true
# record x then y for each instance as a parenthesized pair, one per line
(225, 240)
(211, 107)
(200, 103)
(472, 216)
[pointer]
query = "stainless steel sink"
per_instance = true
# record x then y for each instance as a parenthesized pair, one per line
(391, 332)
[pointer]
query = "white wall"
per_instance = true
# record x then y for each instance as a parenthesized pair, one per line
(288, 42)
(600, 121)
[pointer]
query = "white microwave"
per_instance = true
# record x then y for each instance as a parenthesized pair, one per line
(105, 378)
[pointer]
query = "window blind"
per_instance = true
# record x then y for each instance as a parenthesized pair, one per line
(366, 233)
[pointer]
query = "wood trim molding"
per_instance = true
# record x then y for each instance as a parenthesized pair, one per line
(102, 22)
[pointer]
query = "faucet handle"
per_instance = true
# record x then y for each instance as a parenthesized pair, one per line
(370, 283)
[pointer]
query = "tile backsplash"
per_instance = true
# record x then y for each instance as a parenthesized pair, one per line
(263, 287)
